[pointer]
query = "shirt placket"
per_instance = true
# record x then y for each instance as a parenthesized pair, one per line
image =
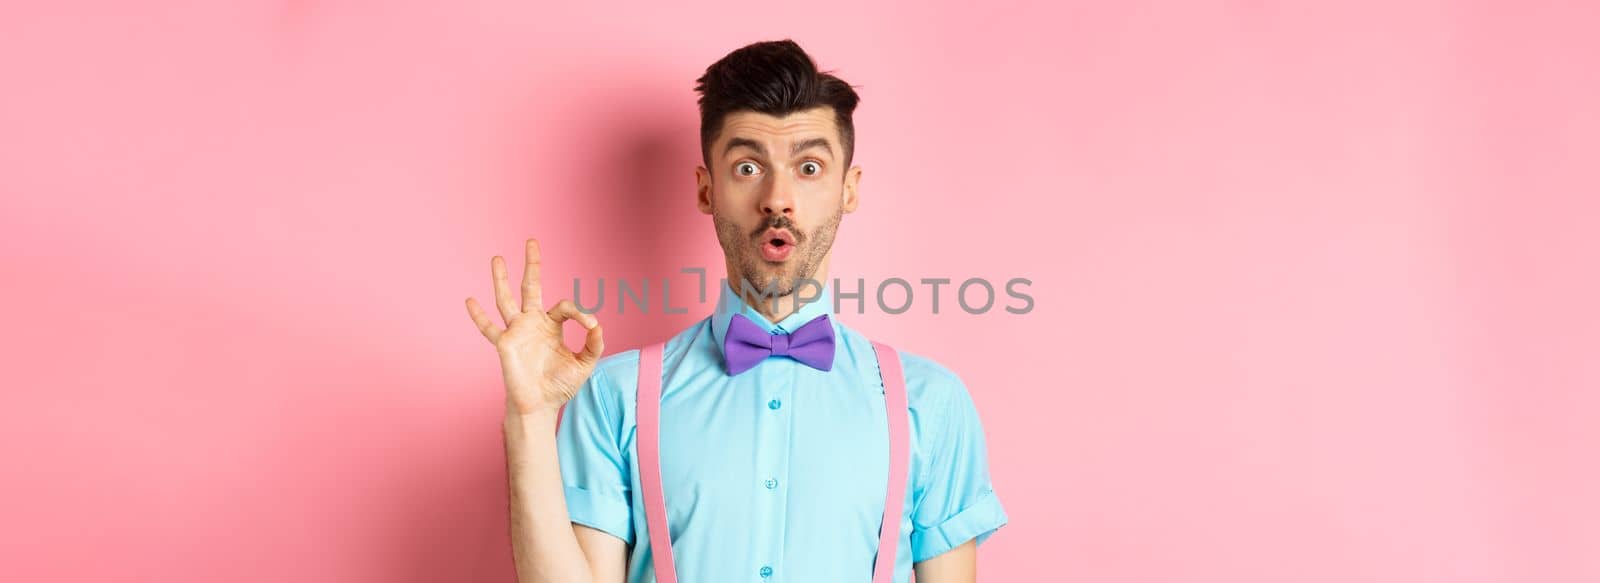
(774, 408)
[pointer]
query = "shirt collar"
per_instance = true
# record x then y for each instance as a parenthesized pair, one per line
(729, 303)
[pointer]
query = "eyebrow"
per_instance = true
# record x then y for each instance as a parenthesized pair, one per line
(762, 150)
(812, 143)
(745, 142)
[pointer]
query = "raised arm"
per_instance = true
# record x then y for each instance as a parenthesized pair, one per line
(541, 374)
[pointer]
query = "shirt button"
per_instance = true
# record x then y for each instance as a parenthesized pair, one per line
(771, 483)
(766, 571)
(774, 404)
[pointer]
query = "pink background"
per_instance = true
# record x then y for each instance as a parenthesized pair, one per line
(1315, 285)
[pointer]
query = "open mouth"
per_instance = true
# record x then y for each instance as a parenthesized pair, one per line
(777, 245)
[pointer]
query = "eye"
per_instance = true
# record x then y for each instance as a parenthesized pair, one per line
(746, 169)
(810, 168)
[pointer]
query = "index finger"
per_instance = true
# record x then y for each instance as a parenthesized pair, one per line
(532, 295)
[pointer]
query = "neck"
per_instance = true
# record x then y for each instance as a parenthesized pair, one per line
(776, 309)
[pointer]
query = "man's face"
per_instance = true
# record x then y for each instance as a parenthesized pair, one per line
(776, 190)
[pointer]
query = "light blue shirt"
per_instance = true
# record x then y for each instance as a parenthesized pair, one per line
(778, 473)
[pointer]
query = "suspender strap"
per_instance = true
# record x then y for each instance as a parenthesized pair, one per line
(655, 505)
(648, 439)
(894, 398)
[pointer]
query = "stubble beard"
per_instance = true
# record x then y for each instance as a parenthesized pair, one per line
(813, 248)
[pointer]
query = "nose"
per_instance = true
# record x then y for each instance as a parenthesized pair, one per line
(778, 198)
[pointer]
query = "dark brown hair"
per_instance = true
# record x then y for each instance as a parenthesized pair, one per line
(775, 78)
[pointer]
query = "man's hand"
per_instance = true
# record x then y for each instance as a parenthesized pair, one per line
(541, 373)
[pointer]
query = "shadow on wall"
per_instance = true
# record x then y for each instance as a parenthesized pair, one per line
(645, 226)
(631, 190)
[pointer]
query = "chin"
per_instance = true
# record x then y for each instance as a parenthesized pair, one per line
(779, 282)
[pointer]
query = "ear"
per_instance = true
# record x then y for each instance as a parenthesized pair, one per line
(852, 179)
(702, 179)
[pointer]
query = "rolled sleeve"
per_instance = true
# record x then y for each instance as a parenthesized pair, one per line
(594, 471)
(957, 502)
(979, 521)
(601, 511)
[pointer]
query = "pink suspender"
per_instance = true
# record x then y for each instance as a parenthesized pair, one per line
(649, 432)
(655, 505)
(894, 397)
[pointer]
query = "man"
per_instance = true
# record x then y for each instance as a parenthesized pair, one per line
(772, 466)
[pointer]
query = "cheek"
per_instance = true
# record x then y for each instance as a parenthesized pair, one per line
(818, 186)
(730, 192)
(821, 199)
(736, 224)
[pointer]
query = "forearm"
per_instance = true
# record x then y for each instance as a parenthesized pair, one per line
(544, 547)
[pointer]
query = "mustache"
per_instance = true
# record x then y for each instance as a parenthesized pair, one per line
(778, 222)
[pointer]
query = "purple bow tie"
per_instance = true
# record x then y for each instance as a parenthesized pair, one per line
(746, 344)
